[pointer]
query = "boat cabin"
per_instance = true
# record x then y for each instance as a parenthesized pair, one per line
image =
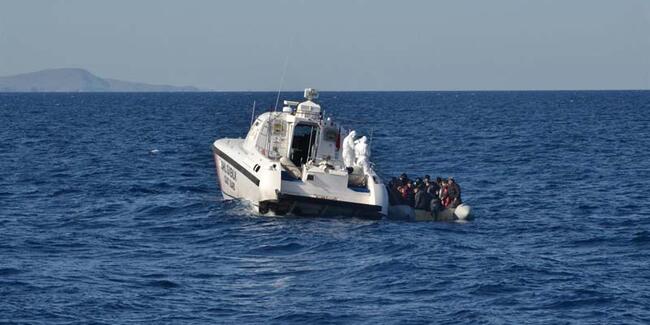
(298, 133)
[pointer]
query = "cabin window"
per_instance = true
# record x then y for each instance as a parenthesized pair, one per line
(331, 134)
(302, 145)
(262, 139)
(278, 128)
(252, 133)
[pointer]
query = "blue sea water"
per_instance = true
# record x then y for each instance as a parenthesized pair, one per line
(110, 213)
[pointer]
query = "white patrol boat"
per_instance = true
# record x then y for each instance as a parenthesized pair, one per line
(292, 162)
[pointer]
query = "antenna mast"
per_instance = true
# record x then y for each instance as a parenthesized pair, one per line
(253, 114)
(284, 71)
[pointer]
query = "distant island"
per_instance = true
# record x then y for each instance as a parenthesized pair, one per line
(77, 80)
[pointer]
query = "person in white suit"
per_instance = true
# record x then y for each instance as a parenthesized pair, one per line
(362, 153)
(348, 149)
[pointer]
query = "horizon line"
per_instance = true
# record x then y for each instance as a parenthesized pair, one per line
(340, 91)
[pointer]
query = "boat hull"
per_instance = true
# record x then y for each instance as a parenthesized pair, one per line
(235, 180)
(242, 175)
(312, 206)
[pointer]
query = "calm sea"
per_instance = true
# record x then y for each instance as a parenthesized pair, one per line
(110, 213)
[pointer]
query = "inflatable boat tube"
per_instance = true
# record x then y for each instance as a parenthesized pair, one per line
(405, 212)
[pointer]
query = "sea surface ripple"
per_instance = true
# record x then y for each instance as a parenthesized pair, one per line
(110, 213)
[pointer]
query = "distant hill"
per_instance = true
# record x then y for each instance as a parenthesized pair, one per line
(76, 80)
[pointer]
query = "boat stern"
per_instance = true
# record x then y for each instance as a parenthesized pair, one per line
(324, 191)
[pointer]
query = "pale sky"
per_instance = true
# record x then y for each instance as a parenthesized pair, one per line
(336, 45)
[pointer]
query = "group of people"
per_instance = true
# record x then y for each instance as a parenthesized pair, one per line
(424, 193)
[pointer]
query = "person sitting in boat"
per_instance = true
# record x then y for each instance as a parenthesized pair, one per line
(408, 197)
(443, 194)
(403, 178)
(422, 197)
(431, 186)
(394, 195)
(435, 207)
(453, 193)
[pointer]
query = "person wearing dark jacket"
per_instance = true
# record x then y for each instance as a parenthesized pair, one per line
(436, 207)
(422, 198)
(393, 194)
(453, 192)
(410, 195)
(403, 178)
(432, 188)
(443, 193)
(407, 194)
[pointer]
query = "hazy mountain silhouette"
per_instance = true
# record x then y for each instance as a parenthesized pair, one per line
(76, 80)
